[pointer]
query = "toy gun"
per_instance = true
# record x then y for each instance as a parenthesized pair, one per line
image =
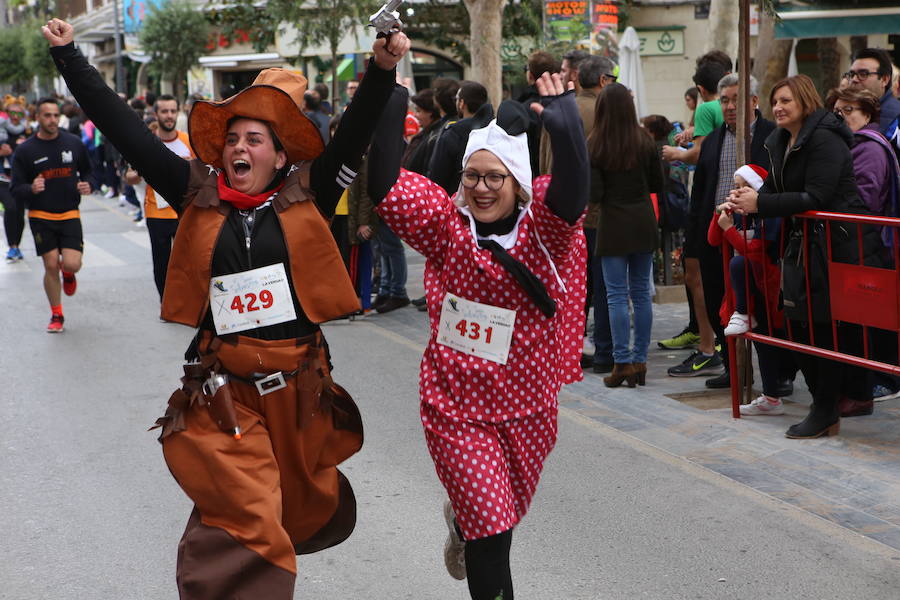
(220, 404)
(387, 20)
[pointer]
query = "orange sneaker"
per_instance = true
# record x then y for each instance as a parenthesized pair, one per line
(69, 283)
(56, 324)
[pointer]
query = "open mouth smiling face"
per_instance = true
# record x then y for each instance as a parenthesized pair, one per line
(249, 156)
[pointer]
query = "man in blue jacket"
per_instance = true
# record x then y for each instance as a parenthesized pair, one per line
(871, 70)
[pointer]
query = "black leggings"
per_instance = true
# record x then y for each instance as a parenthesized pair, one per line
(487, 567)
(162, 234)
(13, 216)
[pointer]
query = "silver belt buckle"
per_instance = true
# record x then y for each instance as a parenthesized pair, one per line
(270, 383)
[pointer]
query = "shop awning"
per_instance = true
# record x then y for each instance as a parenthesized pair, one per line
(345, 70)
(823, 20)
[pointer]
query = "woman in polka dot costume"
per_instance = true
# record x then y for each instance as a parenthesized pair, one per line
(502, 242)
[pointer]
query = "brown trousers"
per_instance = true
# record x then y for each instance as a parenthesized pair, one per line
(274, 493)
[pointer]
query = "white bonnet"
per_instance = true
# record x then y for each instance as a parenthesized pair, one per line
(505, 138)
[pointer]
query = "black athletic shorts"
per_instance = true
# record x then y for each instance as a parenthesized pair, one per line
(56, 235)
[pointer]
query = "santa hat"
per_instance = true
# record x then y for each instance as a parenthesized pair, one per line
(754, 175)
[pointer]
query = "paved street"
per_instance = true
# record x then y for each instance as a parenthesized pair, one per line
(644, 496)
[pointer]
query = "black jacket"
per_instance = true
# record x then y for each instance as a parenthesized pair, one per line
(626, 223)
(527, 97)
(703, 193)
(446, 160)
(418, 153)
(817, 174)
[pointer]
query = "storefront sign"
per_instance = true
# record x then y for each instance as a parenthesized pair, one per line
(135, 11)
(567, 20)
(605, 21)
(590, 25)
(661, 42)
(754, 19)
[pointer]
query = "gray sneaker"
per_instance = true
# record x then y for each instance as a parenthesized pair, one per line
(454, 547)
(762, 406)
(696, 365)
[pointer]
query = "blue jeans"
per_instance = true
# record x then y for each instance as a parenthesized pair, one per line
(393, 263)
(629, 276)
(603, 353)
(738, 268)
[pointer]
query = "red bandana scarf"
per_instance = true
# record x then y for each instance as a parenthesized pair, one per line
(240, 200)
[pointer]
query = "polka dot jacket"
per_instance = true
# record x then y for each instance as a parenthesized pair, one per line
(545, 352)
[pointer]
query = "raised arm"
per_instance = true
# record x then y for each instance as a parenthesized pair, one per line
(570, 177)
(387, 146)
(336, 168)
(163, 169)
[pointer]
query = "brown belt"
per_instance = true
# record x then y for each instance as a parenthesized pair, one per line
(194, 389)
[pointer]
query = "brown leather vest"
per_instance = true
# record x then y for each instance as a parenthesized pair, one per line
(318, 273)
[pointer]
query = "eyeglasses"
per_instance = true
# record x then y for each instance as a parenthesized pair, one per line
(493, 181)
(612, 77)
(16, 113)
(862, 74)
(845, 111)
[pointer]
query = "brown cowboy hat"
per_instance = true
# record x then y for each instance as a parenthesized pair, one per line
(274, 97)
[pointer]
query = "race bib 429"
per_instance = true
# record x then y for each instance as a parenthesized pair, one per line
(251, 299)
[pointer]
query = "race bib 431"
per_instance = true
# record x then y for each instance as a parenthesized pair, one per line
(478, 329)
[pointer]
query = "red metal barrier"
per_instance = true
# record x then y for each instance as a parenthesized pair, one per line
(861, 294)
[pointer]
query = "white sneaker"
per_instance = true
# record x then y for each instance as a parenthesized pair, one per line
(739, 324)
(762, 406)
(122, 200)
(110, 193)
(454, 547)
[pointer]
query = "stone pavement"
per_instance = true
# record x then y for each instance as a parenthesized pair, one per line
(852, 480)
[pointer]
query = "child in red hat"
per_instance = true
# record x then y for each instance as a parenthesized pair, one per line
(751, 239)
(754, 241)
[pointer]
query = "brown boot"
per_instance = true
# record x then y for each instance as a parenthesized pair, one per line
(848, 407)
(640, 372)
(621, 372)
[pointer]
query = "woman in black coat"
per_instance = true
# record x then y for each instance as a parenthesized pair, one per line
(811, 170)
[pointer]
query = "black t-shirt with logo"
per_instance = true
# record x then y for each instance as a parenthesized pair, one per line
(62, 161)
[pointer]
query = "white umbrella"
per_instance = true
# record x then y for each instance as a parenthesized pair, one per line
(631, 75)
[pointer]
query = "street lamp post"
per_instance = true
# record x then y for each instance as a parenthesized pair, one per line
(120, 69)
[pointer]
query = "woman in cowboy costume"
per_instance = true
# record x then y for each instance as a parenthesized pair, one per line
(257, 430)
(505, 283)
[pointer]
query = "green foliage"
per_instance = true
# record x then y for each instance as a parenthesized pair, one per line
(322, 21)
(24, 54)
(316, 22)
(12, 63)
(37, 60)
(442, 25)
(175, 36)
(233, 18)
(447, 26)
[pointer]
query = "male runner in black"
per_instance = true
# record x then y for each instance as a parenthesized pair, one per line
(49, 175)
